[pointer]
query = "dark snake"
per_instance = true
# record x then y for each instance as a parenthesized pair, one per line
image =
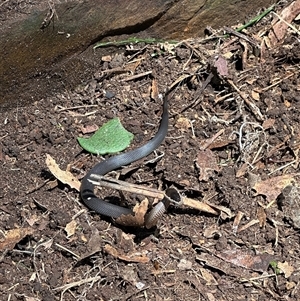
(111, 210)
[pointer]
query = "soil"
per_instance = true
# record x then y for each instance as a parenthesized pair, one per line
(233, 143)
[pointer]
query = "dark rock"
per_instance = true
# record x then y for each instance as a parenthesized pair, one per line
(47, 50)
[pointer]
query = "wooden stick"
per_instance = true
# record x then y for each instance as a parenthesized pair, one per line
(125, 186)
(99, 180)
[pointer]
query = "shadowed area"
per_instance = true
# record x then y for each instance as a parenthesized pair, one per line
(49, 50)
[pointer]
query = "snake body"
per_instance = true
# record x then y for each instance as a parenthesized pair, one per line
(108, 209)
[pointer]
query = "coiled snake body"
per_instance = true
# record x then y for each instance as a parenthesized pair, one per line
(105, 208)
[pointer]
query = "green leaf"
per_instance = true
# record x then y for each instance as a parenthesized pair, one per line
(274, 265)
(111, 138)
(133, 40)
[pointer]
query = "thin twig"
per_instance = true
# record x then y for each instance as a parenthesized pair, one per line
(4, 2)
(242, 36)
(255, 110)
(151, 192)
(277, 83)
(67, 250)
(125, 186)
(133, 77)
(212, 139)
(197, 99)
(75, 108)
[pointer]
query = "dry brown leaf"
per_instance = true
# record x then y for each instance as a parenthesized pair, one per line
(13, 236)
(106, 58)
(287, 15)
(219, 143)
(211, 231)
(129, 274)
(252, 262)
(93, 245)
(131, 257)
(126, 242)
(228, 55)
(207, 164)
(32, 219)
(183, 123)
(63, 176)
(208, 277)
(287, 103)
(286, 268)
(255, 95)
(221, 65)
(290, 285)
(89, 129)
(71, 228)
(268, 123)
(184, 265)
(133, 65)
(136, 220)
(83, 238)
(242, 170)
(272, 187)
(251, 81)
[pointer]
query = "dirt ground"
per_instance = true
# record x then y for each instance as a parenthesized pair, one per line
(232, 144)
